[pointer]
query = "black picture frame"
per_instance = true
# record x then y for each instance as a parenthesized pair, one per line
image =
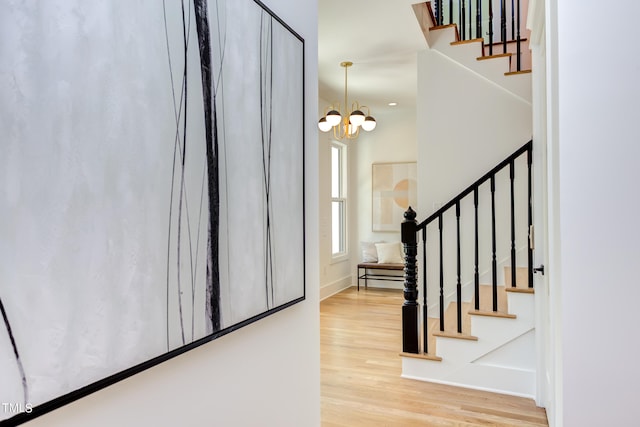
(274, 242)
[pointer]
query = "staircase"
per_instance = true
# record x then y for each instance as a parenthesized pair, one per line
(480, 334)
(495, 351)
(499, 67)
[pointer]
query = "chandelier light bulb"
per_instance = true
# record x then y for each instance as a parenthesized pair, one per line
(357, 118)
(369, 124)
(334, 117)
(323, 125)
(351, 128)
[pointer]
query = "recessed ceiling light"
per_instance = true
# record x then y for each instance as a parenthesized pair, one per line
(393, 104)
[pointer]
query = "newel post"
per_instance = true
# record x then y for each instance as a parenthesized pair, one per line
(410, 306)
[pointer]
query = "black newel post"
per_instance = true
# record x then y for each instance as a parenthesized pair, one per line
(410, 306)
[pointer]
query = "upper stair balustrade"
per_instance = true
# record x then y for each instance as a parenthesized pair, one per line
(498, 24)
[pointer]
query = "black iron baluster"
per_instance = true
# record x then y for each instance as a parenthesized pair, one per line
(410, 319)
(476, 272)
(530, 214)
(494, 265)
(503, 25)
(440, 12)
(519, 51)
(458, 284)
(441, 277)
(462, 11)
(425, 307)
(490, 27)
(450, 11)
(479, 19)
(470, 19)
(513, 22)
(513, 226)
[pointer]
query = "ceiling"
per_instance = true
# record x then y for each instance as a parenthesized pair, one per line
(381, 38)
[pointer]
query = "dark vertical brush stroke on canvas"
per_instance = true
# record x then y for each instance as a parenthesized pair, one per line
(211, 129)
(25, 389)
(266, 73)
(179, 155)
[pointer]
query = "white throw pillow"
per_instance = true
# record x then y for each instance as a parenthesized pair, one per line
(389, 253)
(369, 252)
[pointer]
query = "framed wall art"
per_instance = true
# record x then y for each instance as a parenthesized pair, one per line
(394, 189)
(151, 186)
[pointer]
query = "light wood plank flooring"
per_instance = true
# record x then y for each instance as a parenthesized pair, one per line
(360, 374)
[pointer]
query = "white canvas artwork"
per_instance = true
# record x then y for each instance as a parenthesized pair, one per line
(151, 186)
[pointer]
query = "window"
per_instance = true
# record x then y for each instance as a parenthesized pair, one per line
(338, 200)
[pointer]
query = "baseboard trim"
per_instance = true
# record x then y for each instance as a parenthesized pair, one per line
(335, 287)
(411, 377)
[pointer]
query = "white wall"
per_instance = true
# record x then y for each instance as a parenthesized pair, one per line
(264, 374)
(466, 126)
(598, 150)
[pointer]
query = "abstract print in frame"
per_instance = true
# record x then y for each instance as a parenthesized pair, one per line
(394, 189)
(152, 186)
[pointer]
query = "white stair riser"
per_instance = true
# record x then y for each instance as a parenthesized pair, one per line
(502, 360)
(440, 38)
(522, 305)
(495, 373)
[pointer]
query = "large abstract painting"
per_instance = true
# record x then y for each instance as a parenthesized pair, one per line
(151, 186)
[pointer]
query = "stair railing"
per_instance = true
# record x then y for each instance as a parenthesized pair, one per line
(411, 230)
(461, 12)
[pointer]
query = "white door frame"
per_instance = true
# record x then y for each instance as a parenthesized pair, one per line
(536, 23)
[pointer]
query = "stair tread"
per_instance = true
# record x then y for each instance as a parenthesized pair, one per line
(466, 41)
(451, 318)
(514, 73)
(522, 40)
(442, 27)
(486, 299)
(490, 313)
(520, 290)
(425, 356)
(522, 277)
(449, 334)
(499, 55)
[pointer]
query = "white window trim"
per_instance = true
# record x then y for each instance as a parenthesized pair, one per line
(344, 255)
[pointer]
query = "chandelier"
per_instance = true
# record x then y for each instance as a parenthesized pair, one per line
(346, 125)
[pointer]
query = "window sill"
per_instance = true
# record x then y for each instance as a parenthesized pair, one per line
(336, 259)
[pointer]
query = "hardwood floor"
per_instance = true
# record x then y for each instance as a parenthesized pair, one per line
(360, 374)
